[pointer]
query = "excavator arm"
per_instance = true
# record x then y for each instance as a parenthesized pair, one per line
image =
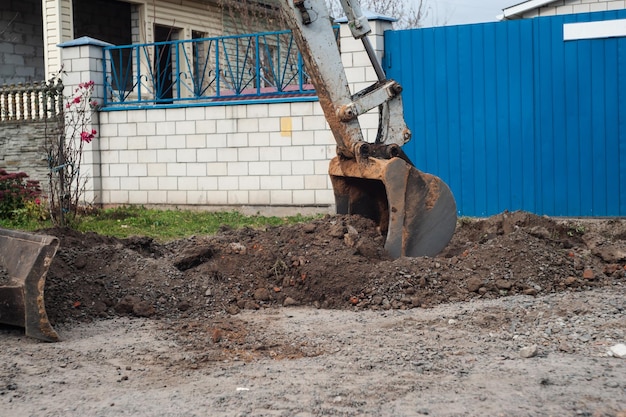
(415, 210)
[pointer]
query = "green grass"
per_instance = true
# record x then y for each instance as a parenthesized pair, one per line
(162, 225)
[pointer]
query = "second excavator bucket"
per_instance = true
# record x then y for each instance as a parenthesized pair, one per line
(415, 210)
(24, 262)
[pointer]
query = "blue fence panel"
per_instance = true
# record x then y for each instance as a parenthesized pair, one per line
(513, 117)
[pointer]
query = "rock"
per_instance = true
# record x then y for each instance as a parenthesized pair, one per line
(351, 237)
(232, 310)
(262, 294)
(192, 257)
(126, 304)
(288, 301)
(528, 351)
(588, 274)
(618, 351)
(570, 281)
(540, 232)
(503, 284)
(474, 284)
(238, 248)
(144, 309)
(309, 228)
(611, 253)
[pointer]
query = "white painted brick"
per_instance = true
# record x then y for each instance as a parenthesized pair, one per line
(313, 123)
(317, 109)
(165, 128)
(138, 197)
(270, 183)
(303, 197)
(118, 170)
(259, 139)
(315, 152)
(269, 124)
(259, 197)
(215, 113)
(168, 183)
(137, 116)
(250, 182)
(356, 75)
(137, 142)
(146, 156)
(303, 168)
(248, 125)
(166, 155)
(129, 183)
(217, 197)
(111, 183)
(228, 183)
(281, 197)
(186, 155)
(207, 183)
(259, 168)
(279, 109)
(177, 197)
(248, 154)
(280, 168)
(148, 183)
(227, 155)
(293, 182)
(292, 153)
(581, 8)
(119, 197)
(206, 126)
(185, 127)
(237, 140)
(196, 169)
(155, 115)
(303, 138)
(194, 113)
(117, 117)
(207, 155)
(110, 157)
(188, 183)
(226, 126)
(276, 139)
(616, 5)
(269, 154)
(118, 143)
(157, 170)
(321, 167)
(323, 137)
(157, 142)
(108, 130)
(219, 140)
(138, 170)
(197, 197)
(176, 169)
(236, 112)
(238, 197)
(302, 109)
(237, 168)
(258, 110)
(324, 197)
(315, 182)
(598, 7)
(157, 197)
(128, 157)
(217, 168)
(196, 141)
(175, 115)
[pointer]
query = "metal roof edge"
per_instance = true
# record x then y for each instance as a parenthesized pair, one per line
(519, 9)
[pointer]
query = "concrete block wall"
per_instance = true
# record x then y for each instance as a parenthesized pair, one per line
(251, 155)
(576, 6)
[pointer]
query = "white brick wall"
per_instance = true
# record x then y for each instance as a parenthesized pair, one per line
(576, 6)
(250, 155)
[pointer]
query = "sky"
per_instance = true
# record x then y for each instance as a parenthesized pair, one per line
(458, 12)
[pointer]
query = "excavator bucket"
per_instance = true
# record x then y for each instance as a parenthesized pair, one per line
(415, 210)
(24, 262)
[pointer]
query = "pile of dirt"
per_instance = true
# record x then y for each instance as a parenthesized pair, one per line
(336, 262)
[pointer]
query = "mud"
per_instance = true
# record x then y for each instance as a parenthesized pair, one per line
(517, 316)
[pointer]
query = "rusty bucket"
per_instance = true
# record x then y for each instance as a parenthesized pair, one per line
(415, 210)
(24, 262)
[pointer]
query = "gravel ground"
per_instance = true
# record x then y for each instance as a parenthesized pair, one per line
(514, 356)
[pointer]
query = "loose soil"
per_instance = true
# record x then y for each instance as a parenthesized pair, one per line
(517, 316)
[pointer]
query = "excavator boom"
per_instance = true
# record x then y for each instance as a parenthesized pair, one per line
(415, 210)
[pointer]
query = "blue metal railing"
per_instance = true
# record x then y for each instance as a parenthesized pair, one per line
(214, 70)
